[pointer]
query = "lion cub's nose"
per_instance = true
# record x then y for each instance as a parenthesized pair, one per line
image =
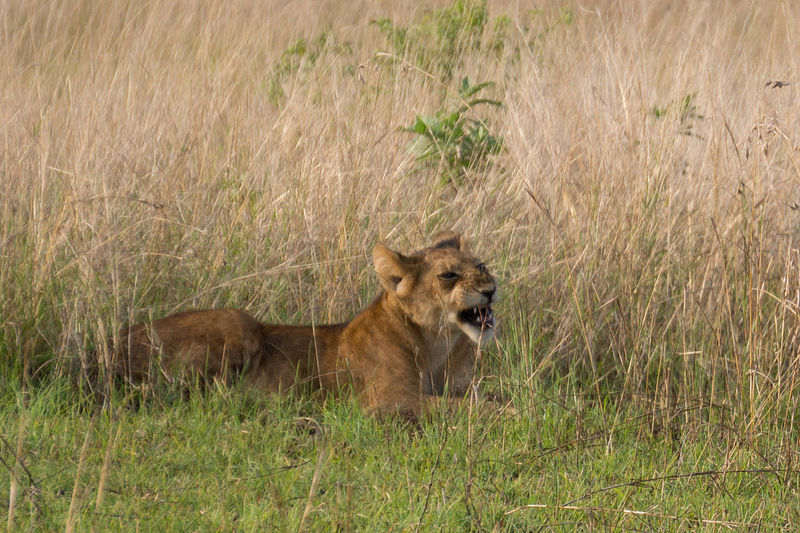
(489, 293)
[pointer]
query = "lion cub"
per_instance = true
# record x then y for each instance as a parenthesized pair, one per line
(415, 340)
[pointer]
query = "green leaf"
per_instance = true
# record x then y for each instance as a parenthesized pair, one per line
(468, 90)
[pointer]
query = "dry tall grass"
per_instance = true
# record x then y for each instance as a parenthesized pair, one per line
(643, 218)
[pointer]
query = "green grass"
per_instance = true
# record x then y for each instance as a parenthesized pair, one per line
(641, 217)
(220, 461)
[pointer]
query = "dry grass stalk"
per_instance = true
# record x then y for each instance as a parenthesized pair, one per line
(154, 172)
(322, 458)
(76, 488)
(14, 472)
(104, 473)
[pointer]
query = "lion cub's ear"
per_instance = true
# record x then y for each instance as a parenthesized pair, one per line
(396, 272)
(450, 239)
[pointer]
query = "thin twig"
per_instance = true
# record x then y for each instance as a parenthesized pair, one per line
(20, 462)
(634, 512)
(704, 473)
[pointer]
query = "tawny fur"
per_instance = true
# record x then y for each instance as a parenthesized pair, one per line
(408, 345)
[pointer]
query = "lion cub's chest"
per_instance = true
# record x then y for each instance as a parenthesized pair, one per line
(441, 362)
(439, 351)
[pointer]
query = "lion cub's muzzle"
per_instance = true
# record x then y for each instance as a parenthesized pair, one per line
(480, 316)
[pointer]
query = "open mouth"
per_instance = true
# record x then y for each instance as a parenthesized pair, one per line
(480, 316)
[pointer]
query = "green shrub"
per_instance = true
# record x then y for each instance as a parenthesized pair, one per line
(685, 110)
(437, 43)
(301, 53)
(452, 139)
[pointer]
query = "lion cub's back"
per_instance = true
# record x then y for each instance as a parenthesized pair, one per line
(211, 342)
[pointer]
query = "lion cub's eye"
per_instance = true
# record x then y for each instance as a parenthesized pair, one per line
(448, 276)
(482, 267)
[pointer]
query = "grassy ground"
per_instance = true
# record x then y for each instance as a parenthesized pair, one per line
(217, 462)
(642, 216)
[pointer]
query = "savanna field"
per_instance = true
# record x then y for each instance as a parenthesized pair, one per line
(629, 171)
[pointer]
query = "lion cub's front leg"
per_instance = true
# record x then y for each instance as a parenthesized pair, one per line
(406, 394)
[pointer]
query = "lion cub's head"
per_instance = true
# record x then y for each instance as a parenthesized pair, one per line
(442, 286)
